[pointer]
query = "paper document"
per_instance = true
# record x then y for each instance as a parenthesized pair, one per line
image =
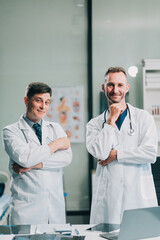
(63, 228)
(46, 228)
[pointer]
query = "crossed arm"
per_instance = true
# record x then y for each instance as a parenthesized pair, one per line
(100, 142)
(112, 156)
(58, 144)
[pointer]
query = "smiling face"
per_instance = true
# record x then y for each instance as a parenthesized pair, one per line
(37, 106)
(115, 87)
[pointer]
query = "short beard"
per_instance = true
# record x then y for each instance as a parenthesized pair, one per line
(110, 101)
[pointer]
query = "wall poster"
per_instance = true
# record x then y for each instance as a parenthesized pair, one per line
(67, 108)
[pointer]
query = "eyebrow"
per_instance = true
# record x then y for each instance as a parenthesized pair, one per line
(115, 83)
(42, 99)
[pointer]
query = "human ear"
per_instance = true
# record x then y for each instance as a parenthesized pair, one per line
(127, 88)
(103, 89)
(26, 100)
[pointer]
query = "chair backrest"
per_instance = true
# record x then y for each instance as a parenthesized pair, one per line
(5, 178)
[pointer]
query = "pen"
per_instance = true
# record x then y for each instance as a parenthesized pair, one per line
(76, 231)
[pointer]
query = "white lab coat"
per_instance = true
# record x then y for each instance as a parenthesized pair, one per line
(128, 182)
(37, 195)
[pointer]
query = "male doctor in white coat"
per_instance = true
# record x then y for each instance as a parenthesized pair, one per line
(36, 161)
(124, 140)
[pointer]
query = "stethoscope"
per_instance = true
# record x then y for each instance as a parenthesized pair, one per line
(131, 132)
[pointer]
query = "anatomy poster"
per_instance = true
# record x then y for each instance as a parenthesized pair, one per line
(67, 109)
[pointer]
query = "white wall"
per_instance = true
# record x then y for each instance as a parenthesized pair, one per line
(44, 40)
(124, 33)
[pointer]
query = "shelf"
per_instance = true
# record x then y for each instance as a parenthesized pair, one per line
(151, 91)
(151, 64)
(152, 87)
(156, 116)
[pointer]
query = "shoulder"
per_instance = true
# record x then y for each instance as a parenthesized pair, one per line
(11, 130)
(140, 114)
(11, 126)
(96, 121)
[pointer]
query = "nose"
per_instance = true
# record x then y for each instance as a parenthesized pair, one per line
(115, 89)
(42, 105)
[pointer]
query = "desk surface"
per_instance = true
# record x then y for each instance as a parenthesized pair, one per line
(40, 229)
(90, 235)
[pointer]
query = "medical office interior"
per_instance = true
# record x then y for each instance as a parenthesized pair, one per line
(72, 43)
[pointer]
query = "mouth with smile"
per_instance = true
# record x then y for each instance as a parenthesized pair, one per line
(40, 111)
(115, 95)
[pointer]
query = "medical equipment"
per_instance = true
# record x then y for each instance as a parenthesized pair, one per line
(131, 132)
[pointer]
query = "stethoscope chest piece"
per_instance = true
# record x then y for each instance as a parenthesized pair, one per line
(131, 132)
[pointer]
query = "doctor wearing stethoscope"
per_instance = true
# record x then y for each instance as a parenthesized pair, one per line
(124, 140)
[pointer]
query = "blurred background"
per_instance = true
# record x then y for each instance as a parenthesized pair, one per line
(72, 43)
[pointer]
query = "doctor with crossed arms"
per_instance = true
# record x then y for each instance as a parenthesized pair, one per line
(123, 139)
(38, 151)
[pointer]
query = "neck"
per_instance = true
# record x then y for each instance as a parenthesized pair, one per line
(31, 119)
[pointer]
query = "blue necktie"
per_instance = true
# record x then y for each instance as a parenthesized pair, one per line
(37, 128)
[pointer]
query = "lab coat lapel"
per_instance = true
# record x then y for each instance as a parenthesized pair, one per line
(28, 132)
(46, 133)
(126, 123)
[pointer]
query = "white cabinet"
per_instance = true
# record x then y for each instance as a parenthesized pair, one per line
(151, 90)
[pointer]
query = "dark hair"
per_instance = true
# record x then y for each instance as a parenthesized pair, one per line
(37, 87)
(115, 69)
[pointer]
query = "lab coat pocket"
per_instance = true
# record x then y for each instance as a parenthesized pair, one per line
(26, 187)
(147, 187)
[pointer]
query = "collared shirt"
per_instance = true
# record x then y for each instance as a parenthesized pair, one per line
(31, 123)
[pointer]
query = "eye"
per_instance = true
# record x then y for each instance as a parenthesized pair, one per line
(110, 85)
(47, 103)
(38, 100)
(120, 85)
